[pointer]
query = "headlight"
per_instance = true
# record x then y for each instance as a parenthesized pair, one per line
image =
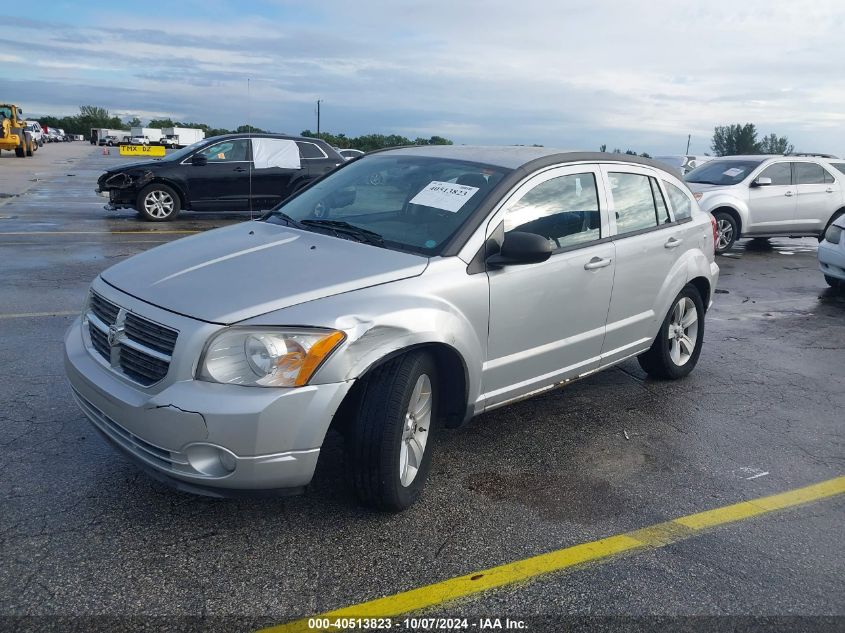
(267, 357)
(833, 234)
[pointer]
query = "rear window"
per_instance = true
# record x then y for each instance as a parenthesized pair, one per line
(681, 204)
(310, 150)
(840, 167)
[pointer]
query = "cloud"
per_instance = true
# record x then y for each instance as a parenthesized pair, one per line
(639, 75)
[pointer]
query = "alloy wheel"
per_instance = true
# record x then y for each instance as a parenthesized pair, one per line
(724, 233)
(415, 430)
(683, 331)
(158, 204)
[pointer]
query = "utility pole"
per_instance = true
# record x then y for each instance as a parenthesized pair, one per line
(689, 136)
(318, 116)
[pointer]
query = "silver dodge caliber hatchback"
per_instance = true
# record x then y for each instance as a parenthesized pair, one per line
(465, 278)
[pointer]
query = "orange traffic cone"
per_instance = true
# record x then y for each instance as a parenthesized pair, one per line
(105, 151)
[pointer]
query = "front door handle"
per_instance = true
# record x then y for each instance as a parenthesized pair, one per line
(788, 194)
(597, 262)
(672, 242)
(240, 169)
(829, 190)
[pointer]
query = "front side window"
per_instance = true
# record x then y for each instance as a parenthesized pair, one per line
(681, 203)
(564, 210)
(809, 174)
(412, 203)
(227, 151)
(633, 201)
(780, 173)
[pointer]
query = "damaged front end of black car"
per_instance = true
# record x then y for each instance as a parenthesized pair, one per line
(122, 187)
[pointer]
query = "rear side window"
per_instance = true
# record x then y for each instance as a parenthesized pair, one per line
(310, 150)
(809, 174)
(565, 210)
(659, 202)
(681, 204)
(780, 173)
(634, 202)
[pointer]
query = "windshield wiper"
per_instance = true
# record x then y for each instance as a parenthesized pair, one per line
(344, 228)
(287, 219)
(704, 182)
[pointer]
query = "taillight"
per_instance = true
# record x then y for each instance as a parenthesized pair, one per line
(715, 231)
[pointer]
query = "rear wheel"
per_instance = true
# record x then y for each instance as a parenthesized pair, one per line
(727, 231)
(675, 351)
(389, 442)
(158, 203)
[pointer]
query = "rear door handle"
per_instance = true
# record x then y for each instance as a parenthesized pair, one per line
(829, 190)
(672, 242)
(597, 262)
(788, 194)
(240, 168)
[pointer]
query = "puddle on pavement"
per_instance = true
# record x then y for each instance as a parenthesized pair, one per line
(556, 496)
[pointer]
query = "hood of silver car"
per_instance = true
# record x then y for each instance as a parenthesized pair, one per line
(704, 187)
(242, 271)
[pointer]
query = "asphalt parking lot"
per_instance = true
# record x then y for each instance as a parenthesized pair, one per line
(83, 533)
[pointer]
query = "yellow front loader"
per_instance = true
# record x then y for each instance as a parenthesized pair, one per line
(13, 132)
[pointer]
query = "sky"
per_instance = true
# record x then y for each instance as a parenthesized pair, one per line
(638, 74)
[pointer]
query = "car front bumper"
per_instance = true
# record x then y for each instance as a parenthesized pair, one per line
(218, 440)
(832, 260)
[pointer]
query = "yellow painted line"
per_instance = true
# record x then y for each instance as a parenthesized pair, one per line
(29, 315)
(651, 537)
(98, 232)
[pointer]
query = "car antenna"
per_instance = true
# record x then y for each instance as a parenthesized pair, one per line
(249, 136)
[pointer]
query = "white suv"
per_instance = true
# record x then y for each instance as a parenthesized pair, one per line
(769, 196)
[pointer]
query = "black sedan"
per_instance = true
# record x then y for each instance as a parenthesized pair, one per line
(234, 172)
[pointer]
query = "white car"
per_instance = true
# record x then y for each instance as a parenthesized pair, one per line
(832, 254)
(769, 196)
(139, 140)
(36, 131)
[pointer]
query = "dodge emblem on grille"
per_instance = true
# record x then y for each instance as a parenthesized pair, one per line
(114, 335)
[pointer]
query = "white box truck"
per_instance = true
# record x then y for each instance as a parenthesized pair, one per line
(181, 136)
(151, 134)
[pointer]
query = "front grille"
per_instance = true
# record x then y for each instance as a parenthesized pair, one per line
(99, 341)
(141, 367)
(105, 310)
(143, 347)
(151, 334)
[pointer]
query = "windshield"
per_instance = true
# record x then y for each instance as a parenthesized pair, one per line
(413, 203)
(179, 154)
(723, 172)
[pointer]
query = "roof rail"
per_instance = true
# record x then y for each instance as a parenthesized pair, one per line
(817, 155)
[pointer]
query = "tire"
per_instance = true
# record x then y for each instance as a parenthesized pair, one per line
(669, 357)
(727, 231)
(383, 453)
(158, 203)
(20, 150)
(833, 282)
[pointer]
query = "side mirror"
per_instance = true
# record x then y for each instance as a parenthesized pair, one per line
(521, 248)
(762, 181)
(198, 160)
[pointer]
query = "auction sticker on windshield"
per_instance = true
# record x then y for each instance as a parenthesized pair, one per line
(444, 195)
(142, 150)
(733, 171)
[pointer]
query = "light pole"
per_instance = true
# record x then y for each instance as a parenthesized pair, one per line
(318, 116)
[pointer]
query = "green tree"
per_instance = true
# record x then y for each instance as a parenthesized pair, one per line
(134, 122)
(603, 147)
(735, 139)
(247, 129)
(774, 144)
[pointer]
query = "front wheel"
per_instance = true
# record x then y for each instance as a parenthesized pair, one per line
(158, 203)
(389, 443)
(727, 231)
(675, 351)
